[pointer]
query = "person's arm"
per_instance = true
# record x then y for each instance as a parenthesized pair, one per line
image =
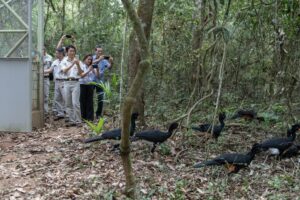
(111, 61)
(97, 60)
(66, 68)
(50, 70)
(61, 41)
(73, 39)
(87, 72)
(80, 71)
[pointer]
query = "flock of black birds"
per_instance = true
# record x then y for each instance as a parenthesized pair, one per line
(282, 147)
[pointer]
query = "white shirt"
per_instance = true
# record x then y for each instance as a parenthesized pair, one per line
(57, 69)
(90, 77)
(73, 72)
(47, 60)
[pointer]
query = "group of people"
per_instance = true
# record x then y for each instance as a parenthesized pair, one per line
(73, 91)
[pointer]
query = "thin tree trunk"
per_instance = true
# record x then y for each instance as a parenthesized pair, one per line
(145, 13)
(130, 99)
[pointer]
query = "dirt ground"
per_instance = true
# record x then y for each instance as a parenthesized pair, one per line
(53, 163)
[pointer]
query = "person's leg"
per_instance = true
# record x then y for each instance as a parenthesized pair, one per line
(90, 102)
(100, 94)
(59, 99)
(82, 100)
(68, 95)
(76, 103)
(46, 94)
(54, 104)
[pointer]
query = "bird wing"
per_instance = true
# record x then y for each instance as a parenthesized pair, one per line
(235, 158)
(279, 143)
(151, 135)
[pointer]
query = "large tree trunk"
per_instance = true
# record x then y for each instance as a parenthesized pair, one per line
(145, 13)
(134, 89)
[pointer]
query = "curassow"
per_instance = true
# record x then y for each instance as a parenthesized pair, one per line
(114, 134)
(217, 128)
(277, 146)
(232, 161)
(155, 136)
(292, 151)
(247, 115)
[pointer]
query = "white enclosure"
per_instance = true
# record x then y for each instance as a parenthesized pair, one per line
(20, 71)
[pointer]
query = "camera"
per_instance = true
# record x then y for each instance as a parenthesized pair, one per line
(95, 66)
(106, 57)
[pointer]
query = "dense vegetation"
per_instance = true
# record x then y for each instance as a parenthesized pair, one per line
(206, 57)
(260, 66)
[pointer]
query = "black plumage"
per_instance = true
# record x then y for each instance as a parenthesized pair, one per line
(114, 134)
(247, 115)
(292, 151)
(207, 127)
(155, 136)
(280, 144)
(232, 161)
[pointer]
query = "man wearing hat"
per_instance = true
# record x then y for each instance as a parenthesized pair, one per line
(59, 96)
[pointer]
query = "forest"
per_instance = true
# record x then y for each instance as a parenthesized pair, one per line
(224, 67)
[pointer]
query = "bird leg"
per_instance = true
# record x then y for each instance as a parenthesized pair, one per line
(153, 148)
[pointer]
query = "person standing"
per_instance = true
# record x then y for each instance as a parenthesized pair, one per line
(71, 67)
(103, 65)
(86, 89)
(56, 69)
(47, 60)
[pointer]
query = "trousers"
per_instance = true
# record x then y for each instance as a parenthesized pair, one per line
(46, 94)
(72, 93)
(59, 98)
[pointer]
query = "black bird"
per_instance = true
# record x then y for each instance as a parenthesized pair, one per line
(278, 146)
(155, 136)
(232, 161)
(247, 115)
(292, 151)
(114, 134)
(217, 128)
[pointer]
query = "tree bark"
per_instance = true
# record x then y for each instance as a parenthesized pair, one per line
(145, 13)
(130, 99)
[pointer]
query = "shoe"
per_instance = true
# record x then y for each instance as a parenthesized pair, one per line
(71, 124)
(58, 118)
(79, 124)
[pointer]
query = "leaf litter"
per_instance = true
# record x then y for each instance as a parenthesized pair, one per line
(53, 163)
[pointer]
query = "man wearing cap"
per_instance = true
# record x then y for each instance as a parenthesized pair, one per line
(56, 69)
(47, 60)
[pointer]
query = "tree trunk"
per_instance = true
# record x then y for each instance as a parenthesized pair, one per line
(145, 13)
(131, 97)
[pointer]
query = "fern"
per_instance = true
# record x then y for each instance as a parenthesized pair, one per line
(97, 129)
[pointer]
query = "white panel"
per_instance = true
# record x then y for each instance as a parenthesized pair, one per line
(15, 95)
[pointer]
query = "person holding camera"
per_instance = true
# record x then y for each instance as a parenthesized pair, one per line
(90, 72)
(71, 67)
(47, 61)
(62, 40)
(58, 102)
(103, 63)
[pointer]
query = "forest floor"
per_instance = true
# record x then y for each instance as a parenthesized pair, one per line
(53, 163)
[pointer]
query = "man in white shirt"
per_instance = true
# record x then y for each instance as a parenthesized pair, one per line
(71, 68)
(47, 60)
(56, 69)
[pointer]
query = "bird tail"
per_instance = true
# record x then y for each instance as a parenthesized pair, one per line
(207, 163)
(235, 116)
(93, 139)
